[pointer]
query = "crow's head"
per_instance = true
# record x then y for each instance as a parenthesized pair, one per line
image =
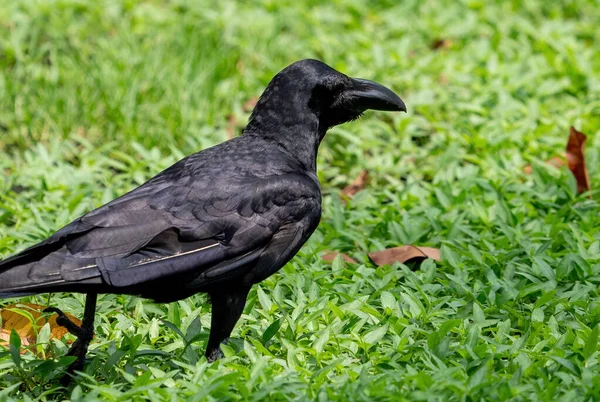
(311, 90)
(332, 98)
(337, 98)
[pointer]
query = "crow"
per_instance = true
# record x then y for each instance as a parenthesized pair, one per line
(217, 221)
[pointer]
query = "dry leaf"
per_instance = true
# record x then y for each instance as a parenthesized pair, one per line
(232, 121)
(24, 327)
(249, 104)
(441, 44)
(330, 256)
(240, 66)
(404, 254)
(576, 160)
(231, 125)
(357, 185)
(556, 161)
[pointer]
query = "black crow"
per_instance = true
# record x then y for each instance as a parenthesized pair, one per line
(217, 221)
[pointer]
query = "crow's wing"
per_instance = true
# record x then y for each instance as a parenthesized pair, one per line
(179, 223)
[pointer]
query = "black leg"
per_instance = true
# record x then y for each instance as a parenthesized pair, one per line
(227, 307)
(64, 321)
(84, 334)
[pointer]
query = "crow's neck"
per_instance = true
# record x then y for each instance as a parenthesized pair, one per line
(293, 129)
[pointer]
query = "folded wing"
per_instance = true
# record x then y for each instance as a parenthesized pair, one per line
(174, 226)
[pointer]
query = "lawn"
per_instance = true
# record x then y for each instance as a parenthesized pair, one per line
(96, 97)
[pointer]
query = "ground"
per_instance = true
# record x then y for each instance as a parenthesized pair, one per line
(96, 97)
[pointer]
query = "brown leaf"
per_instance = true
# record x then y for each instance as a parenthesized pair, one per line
(576, 160)
(404, 254)
(330, 256)
(23, 325)
(249, 104)
(231, 125)
(357, 185)
(556, 161)
(441, 44)
(240, 66)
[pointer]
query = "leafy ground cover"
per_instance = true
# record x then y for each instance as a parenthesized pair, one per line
(95, 97)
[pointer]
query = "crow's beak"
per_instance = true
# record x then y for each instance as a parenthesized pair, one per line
(371, 95)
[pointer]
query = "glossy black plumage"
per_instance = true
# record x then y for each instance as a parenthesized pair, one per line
(217, 221)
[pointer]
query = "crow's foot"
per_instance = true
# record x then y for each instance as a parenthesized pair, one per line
(64, 321)
(84, 334)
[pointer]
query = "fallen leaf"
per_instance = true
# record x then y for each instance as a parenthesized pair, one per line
(441, 44)
(249, 104)
(240, 66)
(11, 319)
(232, 121)
(357, 185)
(404, 254)
(576, 160)
(556, 161)
(231, 125)
(330, 256)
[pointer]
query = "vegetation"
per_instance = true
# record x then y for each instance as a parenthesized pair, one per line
(96, 97)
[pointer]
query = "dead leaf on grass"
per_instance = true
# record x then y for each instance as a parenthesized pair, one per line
(231, 126)
(24, 327)
(330, 256)
(404, 254)
(249, 104)
(574, 158)
(441, 43)
(357, 185)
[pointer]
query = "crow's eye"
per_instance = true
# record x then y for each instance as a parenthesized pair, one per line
(336, 86)
(323, 96)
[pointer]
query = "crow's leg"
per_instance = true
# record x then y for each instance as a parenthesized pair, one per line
(84, 334)
(64, 321)
(227, 307)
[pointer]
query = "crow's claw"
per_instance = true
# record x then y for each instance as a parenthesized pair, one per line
(64, 321)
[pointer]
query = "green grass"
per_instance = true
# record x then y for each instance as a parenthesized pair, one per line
(96, 97)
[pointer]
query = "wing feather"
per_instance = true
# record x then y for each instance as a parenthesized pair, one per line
(176, 225)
